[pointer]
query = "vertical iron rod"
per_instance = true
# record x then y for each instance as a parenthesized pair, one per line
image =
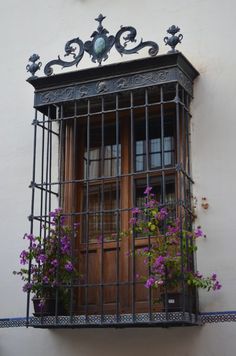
(117, 213)
(163, 182)
(180, 199)
(32, 210)
(87, 239)
(42, 175)
(101, 216)
(132, 203)
(148, 184)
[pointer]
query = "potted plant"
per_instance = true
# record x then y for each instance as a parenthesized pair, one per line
(169, 256)
(48, 268)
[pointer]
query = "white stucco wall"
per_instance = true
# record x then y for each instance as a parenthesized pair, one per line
(44, 27)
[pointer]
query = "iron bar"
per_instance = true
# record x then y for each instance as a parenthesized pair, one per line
(163, 185)
(87, 239)
(132, 168)
(101, 214)
(42, 176)
(32, 212)
(117, 210)
(147, 138)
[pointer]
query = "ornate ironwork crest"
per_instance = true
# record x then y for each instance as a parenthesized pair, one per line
(99, 46)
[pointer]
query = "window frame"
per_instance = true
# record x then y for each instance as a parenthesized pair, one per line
(51, 96)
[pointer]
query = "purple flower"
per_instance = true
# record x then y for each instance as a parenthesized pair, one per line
(69, 266)
(198, 232)
(132, 221)
(198, 275)
(135, 211)
(55, 215)
(30, 237)
(151, 204)
(159, 261)
(65, 245)
(45, 280)
(27, 287)
(34, 246)
(41, 258)
(55, 212)
(24, 257)
(55, 263)
(150, 282)
(173, 229)
(147, 190)
(42, 303)
(213, 277)
(162, 214)
(217, 286)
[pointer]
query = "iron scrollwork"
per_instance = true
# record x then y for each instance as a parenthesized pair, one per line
(100, 45)
(131, 37)
(70, 50)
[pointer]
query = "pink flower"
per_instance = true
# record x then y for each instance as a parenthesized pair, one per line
(132, 221)
(135, 211)
(147, 190)
(150, 282)
(198, 232)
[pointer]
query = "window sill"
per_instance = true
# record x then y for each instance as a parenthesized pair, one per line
(163, 319)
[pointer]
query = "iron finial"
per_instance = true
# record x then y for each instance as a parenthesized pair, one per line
(99, 19)
(33, 67)
(173, 40)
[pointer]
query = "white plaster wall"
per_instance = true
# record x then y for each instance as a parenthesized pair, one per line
(44, 27)
(193, 341)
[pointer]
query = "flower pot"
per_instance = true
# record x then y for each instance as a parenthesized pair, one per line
(174, 302)
(47, 307)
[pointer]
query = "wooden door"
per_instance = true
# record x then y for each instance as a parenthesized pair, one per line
(107, 167)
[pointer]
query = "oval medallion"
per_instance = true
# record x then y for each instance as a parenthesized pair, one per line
(99, 45)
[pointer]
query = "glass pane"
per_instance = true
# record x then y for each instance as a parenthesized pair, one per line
(169, 151)
(94, 162)
(154, 143)
(139, 141)
(101, 222)
(104, 156)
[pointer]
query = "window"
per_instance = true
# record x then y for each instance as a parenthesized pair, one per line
(110, 145)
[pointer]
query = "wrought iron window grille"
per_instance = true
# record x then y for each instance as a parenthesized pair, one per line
(110, 132)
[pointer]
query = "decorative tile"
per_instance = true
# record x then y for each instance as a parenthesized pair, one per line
(121, 320)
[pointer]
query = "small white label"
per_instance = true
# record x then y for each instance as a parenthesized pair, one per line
(171, 301)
